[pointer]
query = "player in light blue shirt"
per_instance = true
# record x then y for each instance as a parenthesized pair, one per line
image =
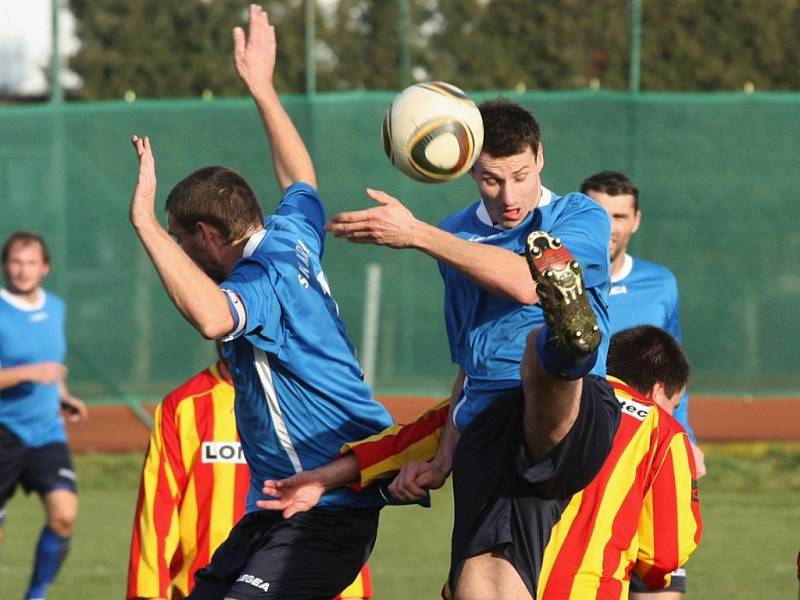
(258, 285)
(33, 449)
(642, 293)
(487, 331)
(490, 300)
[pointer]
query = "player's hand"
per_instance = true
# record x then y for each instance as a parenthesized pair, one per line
(699, 460)
(75, 408)
(415, 479)
(390, 224)
(143, 200)
(254, 56)
(45, 373)
(294, 494)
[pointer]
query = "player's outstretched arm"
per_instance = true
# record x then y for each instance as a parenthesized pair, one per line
(301, 492)
(254, 57)
(392, 224)
(193, 292)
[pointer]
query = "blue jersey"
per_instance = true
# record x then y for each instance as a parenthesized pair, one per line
(32, 334)
(487, 332)
(300, 393)
(646, 293)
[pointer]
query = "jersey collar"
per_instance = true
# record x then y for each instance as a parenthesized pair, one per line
(627, 267)
(21, 304)
(483, 214)
(253, 242)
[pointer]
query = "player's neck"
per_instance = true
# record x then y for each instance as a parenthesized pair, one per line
(33, 298)
(618, 265)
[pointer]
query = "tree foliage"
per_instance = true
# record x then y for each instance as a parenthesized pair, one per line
(175, 48)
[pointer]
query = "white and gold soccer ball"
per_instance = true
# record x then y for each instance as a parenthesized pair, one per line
(432, 132)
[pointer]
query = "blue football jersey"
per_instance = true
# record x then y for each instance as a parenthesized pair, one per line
(487, 332)
(646, 293)
(300, 393)
(28, 335)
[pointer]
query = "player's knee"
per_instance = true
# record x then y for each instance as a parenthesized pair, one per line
(61, 519)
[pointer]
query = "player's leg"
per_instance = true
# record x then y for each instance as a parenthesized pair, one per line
(490, 576)
(561, 352)
(11, 466)
(49, 472)
(314, 554)
(360, 588)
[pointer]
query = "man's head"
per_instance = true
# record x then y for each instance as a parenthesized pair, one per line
(619, 195)
(507, 170)
(26, 262)
(209, 213)
(650, 361)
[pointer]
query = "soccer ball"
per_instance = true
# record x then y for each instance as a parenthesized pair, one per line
(432, 132)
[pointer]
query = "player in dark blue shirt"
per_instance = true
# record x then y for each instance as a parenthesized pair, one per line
(33, 448)
(257, 284)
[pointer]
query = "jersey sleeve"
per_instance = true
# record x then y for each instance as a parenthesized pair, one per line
(670, 524)
(253, 303)
(302, 204)
(156, 533)
(382, 455)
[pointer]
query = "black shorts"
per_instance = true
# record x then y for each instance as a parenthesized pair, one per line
(39, 470)
(677, 584)
(312, 556)
(505, 502)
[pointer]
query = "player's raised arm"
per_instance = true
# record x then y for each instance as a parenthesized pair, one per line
(193, 292)
(254, 56)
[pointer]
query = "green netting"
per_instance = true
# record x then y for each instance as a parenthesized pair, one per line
(719, 176)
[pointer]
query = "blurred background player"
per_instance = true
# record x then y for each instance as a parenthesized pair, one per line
(193, 489)
(33, 448)
(258, 285)
(642, 292)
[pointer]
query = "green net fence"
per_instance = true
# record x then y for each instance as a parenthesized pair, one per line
(719, 177)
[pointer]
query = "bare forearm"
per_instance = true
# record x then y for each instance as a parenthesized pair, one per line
(497, 270)
(290, 157)
(13, 376)
(194, 294)
(337, 473)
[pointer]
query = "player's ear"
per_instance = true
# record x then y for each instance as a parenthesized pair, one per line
(540, 156)
(209, 234)
(637, 220)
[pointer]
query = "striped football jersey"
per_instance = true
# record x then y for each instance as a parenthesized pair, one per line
(193, 490)
(641, 511)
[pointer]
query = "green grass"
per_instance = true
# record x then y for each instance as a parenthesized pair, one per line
(750, 508)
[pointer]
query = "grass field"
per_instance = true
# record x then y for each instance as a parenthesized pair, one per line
(750, 503)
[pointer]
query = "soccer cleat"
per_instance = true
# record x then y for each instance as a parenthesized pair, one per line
(559, 285)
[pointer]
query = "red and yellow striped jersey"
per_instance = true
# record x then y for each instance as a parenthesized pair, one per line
(193, 490)
(641, 511)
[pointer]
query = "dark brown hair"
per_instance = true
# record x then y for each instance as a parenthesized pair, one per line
(218, 196)
(25, 238)
(612, 183)
(645, 355)
(508, 128)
